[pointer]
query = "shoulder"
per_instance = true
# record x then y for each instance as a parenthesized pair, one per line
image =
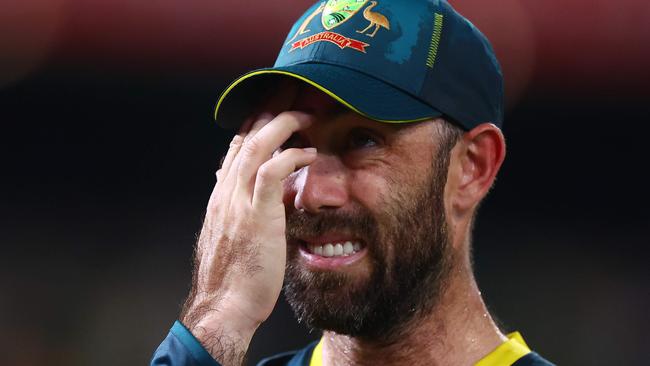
(300, 357)
(532, 359)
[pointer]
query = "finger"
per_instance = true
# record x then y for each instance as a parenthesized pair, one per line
(225, 168)
(227, 160)
(279, 100)
(259, 148)
(258, 123)
(268, 183)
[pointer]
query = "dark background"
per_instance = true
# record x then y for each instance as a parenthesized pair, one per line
(108, 155)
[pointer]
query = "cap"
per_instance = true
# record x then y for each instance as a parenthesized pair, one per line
(394, 61)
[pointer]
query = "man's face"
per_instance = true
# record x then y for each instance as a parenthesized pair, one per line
(368, 248)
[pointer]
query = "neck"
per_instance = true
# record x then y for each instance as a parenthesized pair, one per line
(459, 331)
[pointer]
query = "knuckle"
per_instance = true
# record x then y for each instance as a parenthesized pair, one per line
(266, 172)
(251, 146)
(236, 141)
(219, 175)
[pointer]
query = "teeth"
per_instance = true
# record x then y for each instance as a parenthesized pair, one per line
(348, 248)
(328, 250)
(336, 249)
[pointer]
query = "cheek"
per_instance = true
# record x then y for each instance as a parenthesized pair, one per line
(368, 189)
(378, 187)
(376, 194)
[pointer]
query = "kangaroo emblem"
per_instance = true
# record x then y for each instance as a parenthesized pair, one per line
(303, 27)
(376, 19)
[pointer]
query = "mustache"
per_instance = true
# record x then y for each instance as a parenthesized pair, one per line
(359, 223)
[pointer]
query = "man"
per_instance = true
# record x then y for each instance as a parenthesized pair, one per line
(356, 177)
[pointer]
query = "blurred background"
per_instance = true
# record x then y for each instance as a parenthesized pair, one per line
(108, 154)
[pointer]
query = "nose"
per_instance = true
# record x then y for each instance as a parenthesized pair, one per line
(320, 186)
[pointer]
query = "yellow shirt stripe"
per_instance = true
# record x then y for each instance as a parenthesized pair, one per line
(317, 356)
(505, 355)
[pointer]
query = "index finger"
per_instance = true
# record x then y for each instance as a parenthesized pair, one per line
(280, 99)
(261, 146)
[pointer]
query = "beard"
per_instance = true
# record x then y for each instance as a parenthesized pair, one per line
(408, 248)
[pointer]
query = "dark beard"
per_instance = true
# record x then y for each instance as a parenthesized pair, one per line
(409, 260)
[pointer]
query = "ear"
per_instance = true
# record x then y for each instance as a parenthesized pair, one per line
(474, 164)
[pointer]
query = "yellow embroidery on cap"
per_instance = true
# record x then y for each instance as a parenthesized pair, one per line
(435, 40)
(376, 19)
(303, 27)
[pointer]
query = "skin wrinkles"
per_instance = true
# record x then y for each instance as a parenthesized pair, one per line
(398, 169)
(305, 171)
(368, 169)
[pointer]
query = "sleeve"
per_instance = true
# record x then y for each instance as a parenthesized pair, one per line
(181, 348)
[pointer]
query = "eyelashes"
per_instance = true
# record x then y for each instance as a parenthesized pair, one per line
(361, 139)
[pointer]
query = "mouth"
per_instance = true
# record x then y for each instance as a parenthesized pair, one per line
(329, 250)
(331, 253)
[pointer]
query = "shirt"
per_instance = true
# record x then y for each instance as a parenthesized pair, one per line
(181, 348)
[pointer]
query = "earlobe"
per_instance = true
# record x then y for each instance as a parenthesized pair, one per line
(479, 159)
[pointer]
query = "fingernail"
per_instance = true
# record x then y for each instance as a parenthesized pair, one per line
(309, 150)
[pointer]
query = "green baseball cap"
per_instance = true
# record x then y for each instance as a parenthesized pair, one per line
(393, 61)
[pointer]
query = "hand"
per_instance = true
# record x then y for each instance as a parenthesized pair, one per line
(241, 252)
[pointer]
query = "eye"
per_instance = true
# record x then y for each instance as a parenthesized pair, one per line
(361, 139)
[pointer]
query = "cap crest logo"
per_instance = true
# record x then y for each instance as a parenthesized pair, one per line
(337, 12)
(334, 13)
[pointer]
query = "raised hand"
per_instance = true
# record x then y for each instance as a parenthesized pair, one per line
(241, 252)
